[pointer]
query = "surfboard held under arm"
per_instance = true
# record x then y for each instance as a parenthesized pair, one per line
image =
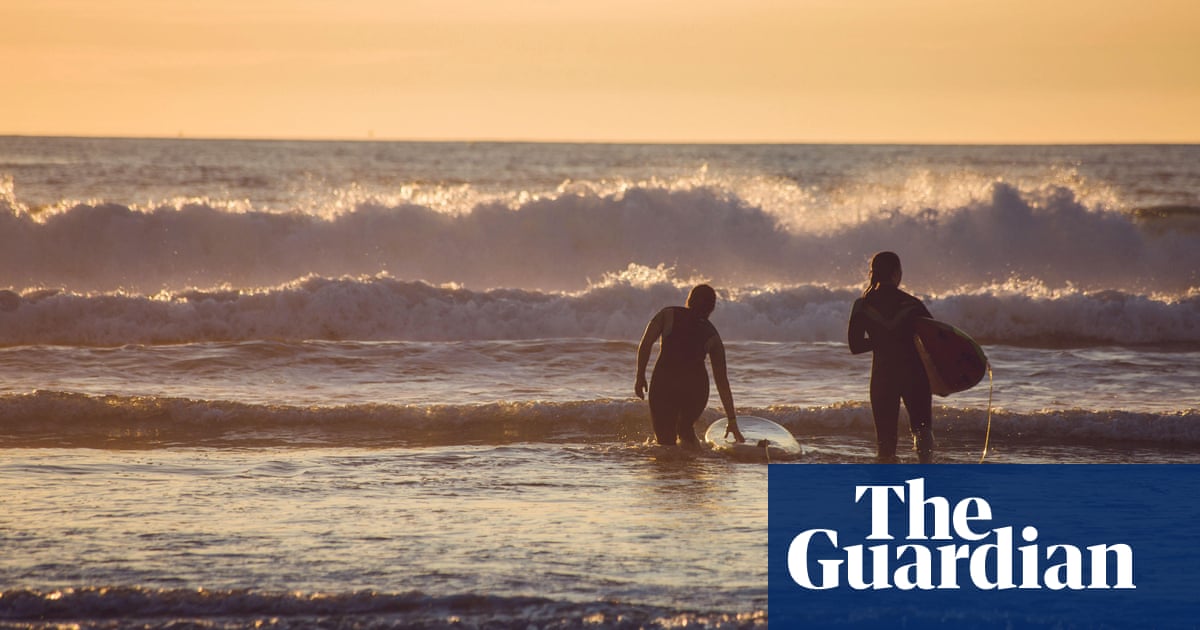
(764, 439)
(953, 361)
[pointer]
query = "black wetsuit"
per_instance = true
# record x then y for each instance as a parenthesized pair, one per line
(882, 323)
(679, 385)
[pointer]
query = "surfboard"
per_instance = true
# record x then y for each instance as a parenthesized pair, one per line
(953, 361)
(765, 440)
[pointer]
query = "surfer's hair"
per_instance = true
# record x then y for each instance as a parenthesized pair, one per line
(702, 299)
(884, 265)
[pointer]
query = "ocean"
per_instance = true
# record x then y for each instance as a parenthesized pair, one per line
(385, 384)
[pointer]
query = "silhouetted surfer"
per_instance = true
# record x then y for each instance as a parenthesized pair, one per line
(679, 386)
(882, 322)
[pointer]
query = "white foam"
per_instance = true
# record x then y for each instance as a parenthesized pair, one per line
(563, 241)
(384, 308)
(148, 421)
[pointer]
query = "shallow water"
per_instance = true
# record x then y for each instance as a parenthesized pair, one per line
(372, 385)
(567, 522)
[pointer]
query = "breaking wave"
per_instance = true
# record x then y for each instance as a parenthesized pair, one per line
(617, 307)
(57, 419)
(563, 241)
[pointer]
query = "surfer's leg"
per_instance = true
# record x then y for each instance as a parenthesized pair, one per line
(918, 401)
(686, 431)
(664, 425)
(885, 408)
(664, 413)
(694, 405)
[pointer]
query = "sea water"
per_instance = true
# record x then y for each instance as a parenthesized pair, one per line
(320, 384)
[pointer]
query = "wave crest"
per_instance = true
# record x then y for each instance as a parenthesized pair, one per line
(382, 308)
(60, 419)
(558, 242)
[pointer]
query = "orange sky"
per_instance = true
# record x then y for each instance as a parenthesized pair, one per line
(608, 70)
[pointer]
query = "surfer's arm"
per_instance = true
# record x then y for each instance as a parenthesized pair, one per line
(856, 332)
(654, 330)
(716, 354)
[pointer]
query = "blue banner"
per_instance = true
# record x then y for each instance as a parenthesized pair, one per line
(996, 546)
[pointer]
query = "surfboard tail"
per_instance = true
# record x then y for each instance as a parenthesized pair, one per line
(937, 385)
(953, 361)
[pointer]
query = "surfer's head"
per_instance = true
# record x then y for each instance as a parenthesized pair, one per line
(702, 299)
(885, 269)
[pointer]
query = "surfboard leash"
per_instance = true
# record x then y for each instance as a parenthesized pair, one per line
(766, 447)
(987, 434)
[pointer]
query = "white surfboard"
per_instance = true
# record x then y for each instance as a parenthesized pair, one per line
(765, 440)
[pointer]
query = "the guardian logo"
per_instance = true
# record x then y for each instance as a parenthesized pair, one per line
(948, 546)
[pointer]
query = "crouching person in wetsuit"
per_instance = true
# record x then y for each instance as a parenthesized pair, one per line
(679, 385)
(881, 322)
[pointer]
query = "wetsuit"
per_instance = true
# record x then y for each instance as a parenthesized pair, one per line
(679, 384)
(882, 323)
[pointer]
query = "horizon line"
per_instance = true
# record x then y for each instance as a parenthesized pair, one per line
(595, 141)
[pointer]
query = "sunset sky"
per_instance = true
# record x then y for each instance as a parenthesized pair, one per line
(606, 70)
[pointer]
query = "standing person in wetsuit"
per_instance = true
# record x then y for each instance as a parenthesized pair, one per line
(882, 322)
(679, 386)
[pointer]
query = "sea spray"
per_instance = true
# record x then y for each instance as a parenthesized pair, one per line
(384, 308)
(558, 243)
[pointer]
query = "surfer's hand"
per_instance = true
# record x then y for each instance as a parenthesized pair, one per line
(732, 427)
(639, 388)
